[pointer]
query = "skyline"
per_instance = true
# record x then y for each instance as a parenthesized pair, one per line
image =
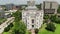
(17, 2)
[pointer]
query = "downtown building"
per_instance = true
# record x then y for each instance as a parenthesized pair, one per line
(31, 16)
(50, 7)
(2, 13)
(9, 6)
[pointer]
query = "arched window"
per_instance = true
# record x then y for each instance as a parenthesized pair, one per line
(32, 20)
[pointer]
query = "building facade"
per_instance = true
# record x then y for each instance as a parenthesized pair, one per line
(9, 6)
(2, 13)
(31, 16)
(50, 7)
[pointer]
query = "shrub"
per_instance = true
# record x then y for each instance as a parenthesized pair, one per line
(46, 16)
(8, 27)
(36, 31)
(51, 27)
(57, 20)
(53, 18)
(58, 11)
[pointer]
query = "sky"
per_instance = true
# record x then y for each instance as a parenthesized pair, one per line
(2, 2)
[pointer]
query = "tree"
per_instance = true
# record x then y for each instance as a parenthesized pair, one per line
(17, 15)
(51, 27)
(53, 18)
(57, 20)
(36, 31)
(46, 16)
(58, 9)
(39, 6)
(19, 28)
(8, 27)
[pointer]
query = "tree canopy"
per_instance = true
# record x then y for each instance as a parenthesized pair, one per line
(58, 9)
(19, 26)
(17, 15)
(51, 27)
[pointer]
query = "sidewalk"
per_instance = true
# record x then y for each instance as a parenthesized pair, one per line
(32, 31)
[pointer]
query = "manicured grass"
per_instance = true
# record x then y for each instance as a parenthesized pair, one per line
(44, 31)
(27, 32)
(6, 33)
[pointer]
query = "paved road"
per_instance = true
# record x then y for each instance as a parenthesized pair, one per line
(5, 24)
(32, 31)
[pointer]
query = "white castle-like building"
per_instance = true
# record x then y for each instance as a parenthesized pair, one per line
(31, 16)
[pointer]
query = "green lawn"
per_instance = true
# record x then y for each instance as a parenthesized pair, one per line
(6, 33)
(44, 31)
(2, 20)
(9, 32)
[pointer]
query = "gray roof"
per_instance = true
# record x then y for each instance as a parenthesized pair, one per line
(31, 7)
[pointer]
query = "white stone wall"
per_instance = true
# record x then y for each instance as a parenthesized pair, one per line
(47, 5)
(50, 5)
(54, 4)
(26, 17)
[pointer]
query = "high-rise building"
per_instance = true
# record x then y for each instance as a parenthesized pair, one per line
(2, 13)
(50, 7)
(31, 16)
(9, 6)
